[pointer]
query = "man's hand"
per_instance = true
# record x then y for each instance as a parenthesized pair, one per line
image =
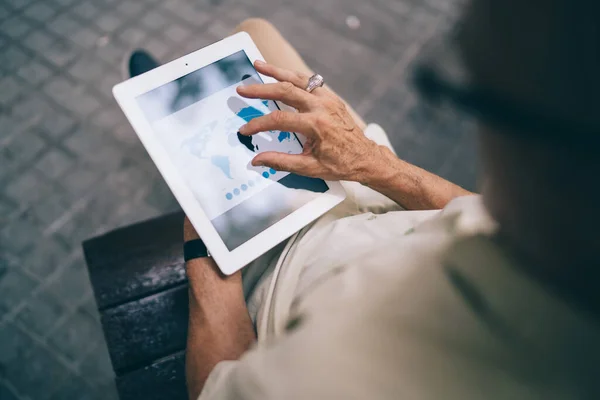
(336, 147)
(219, 325)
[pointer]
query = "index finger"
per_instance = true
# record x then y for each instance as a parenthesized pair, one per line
(279, 121)
(298, 79)
(282, 91)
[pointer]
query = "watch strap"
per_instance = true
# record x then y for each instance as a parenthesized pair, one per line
(194, 249)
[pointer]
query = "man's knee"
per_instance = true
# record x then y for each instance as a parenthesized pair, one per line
(256, 27)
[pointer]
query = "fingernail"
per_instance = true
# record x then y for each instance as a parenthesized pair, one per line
(240, 88)
(257, 163)
(242, 129)
(259, 62)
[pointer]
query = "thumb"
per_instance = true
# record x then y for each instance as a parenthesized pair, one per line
(297, 163)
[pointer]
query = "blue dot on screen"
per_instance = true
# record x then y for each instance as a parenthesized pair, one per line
(265, 174)
(229, 196)
(236, 191)
(244, 187)
(272, 171)
(251, 183)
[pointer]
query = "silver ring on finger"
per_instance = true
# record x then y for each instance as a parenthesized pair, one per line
(314, 82)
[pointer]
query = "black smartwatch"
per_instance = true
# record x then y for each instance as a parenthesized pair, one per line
(194, 249)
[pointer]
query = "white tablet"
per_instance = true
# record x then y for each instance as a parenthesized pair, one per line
(187, 114)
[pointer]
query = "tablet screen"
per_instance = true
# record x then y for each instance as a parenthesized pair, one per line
(196, 119)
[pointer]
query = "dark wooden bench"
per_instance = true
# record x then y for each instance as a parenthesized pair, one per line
(140, 285)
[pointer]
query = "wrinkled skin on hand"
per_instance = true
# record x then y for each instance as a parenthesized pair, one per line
(336, 147)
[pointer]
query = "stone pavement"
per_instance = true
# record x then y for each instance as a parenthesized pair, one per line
(71, 167)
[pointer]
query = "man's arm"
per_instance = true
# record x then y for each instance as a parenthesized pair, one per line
(336, 147)
(408, 185)
(219, 326)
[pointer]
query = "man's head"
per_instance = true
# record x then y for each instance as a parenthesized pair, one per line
(543, 54)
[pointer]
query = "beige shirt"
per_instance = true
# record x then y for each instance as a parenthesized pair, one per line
(415, 305)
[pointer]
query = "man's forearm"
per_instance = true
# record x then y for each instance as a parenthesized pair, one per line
(408, 185)
(219, 325)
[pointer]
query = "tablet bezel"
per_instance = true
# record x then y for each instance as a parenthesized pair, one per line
(228, 261)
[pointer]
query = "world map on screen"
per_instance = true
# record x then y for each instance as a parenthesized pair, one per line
(197, 145)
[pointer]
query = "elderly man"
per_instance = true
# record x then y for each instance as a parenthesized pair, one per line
(495, 296)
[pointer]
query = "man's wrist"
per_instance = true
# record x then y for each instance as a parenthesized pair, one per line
(381, 167)
(194, 248)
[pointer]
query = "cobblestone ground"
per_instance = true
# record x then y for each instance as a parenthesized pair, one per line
(71, 167)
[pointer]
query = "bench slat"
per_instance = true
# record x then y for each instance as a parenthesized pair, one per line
(141, 331)
(136, 261)
(163, 379)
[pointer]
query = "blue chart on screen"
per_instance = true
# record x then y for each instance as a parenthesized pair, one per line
(249, 113)
(197, 144)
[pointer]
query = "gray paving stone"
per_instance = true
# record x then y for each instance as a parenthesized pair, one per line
(160, 196)
(132, 36)
(56, 125)
(4, 12)
(45, 257)
(64, 26)
(38, 375)
(9, 128)
(72, 287)
(130, 8)
(177, 33)
(15, 288)
(12, 58)
(55, 163)
(10, 88)
(157, 47)
(34, 73)
(41, 314)
(65, 2)
(121, 182)
(32, 107)
(107, 118)
(28, 187)
(59, 53)
(193, 13)
(50, 209)
(15, 345)
(94, 148)
(21, 234)
(83, 105)
(79, 180)
(87, 69)
(15, 27)
(6, 393)
(85, 37)
(86, 10)
(6, 209)
(109, 21)
(124, 133)
(38, 40)
(76, 388)
(154, 20)
(75, 336)
(18, 4)
(40, 12)
(112, 53)
(22, 148)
